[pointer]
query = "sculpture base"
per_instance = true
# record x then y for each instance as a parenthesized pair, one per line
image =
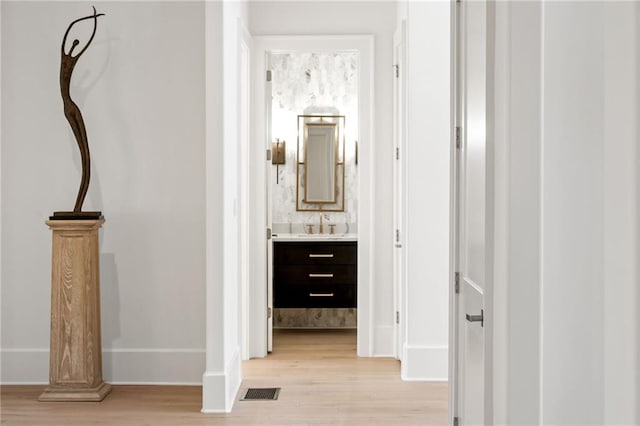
(76, 216)
(75, 356)
(61, 394)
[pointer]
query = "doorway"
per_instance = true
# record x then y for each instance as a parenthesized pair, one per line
(255, 308)
(258, 303)
(312, 187)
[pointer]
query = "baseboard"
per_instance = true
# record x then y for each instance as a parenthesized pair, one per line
(425, 363)
(119, 366)
(24, 366)
(383, 341)
(220, 389)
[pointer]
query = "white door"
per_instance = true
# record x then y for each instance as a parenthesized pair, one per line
(398, 185)
(268, 179)
(474, 217)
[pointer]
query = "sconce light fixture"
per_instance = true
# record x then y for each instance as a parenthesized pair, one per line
(277, 152)
(278, 156)
(356, 153)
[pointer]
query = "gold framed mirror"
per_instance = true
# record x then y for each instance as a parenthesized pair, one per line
(320, 163)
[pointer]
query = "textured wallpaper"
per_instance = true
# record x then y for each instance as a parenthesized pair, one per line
(313, 83)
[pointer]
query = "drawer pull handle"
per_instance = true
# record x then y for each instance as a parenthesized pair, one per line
(320, 275)
(320, 255)
(321, 294)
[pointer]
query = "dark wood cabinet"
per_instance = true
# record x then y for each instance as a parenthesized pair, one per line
(315, 274)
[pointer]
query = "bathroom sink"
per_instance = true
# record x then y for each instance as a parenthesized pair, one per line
(314, 237)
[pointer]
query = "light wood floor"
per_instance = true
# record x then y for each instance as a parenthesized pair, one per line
(322, 381)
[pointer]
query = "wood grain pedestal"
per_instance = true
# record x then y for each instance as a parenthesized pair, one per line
(75, 360)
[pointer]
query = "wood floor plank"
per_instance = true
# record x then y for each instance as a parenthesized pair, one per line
(322, 382)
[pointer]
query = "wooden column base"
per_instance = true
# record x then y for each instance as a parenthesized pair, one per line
(60, 393)
(75, 358)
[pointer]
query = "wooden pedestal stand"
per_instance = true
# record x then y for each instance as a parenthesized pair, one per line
(75, 360)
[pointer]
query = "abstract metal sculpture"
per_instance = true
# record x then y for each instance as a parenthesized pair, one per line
(74, 117)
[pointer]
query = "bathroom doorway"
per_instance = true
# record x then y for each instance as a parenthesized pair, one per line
(312, 192)
(275, 205)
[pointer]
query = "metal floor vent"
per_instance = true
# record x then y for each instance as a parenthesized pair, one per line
(261, 394)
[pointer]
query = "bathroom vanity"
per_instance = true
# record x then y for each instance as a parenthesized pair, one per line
(314, 273)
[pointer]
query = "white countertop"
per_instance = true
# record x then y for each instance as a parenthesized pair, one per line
(314, 237)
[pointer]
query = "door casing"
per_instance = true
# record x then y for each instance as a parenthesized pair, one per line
(257, 297)
(464, 290)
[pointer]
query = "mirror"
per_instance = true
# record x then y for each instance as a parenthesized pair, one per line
(320, 163)
(320, 159)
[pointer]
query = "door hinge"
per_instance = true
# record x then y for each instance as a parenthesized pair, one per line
(457, 137)
(397, 69)
(457, 282)
(456, 421)
(268, 75)
(397, 317)
(397, 235)
(397, 153)
(269, 311)
(268, 233)
(268, 154)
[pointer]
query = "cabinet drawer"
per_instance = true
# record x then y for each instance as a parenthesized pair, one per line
(315, 296)
(315, 274)
(315, 253)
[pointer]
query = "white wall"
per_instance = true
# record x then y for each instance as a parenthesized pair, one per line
(221, 380)
(572, 215)
(518, 84)
(621, 167)
(140, 88)
(344, 18)
(425, 352)
(571, 138)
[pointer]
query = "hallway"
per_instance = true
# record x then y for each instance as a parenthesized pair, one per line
(322, 381)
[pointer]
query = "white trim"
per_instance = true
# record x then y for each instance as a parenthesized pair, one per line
(258, 300)
(399, 171)
(244, 136)
(219, 315)
(502, 128)
(1, 149)
(541, 195)
(384, 344)
(119, 366)
(221, 387)
(425, 363)
(453, 212)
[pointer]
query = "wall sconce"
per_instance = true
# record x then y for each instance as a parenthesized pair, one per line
(277, 152)
(278, 156)
(356, 153)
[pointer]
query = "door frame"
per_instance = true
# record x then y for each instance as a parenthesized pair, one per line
(454, 191)
(496, 177)
(256, 301)
(399, 186)
(244, 105)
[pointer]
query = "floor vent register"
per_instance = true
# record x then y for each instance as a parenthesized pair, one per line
(261, 394)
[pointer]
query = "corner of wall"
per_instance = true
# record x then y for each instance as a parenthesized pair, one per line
(383, 341)
(425, 363)
(220, 388)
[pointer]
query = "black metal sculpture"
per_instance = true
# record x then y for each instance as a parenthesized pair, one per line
(74, 117)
